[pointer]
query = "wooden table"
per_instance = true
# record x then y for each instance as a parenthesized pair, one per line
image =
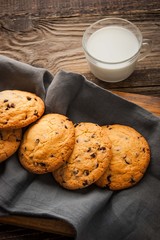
(48, 34)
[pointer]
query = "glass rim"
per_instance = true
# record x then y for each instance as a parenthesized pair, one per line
(84, 45)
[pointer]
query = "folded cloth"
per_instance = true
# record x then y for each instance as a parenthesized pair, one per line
(21, 76)
(130, 214)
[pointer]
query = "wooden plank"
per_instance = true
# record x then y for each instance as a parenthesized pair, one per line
(47, 225)
(55, 44)
(145, 82)
(76, 7)
(150, 103)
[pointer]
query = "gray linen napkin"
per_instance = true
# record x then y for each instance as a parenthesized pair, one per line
(96, 214)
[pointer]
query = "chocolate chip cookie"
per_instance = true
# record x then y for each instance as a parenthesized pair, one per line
(89, 159)
(19, 108)
(9, 142)
(47, 144)
(130, 157)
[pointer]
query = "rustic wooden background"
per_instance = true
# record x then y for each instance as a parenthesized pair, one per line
(49, 33)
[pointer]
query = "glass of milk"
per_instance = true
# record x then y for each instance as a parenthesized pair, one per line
(112, 47)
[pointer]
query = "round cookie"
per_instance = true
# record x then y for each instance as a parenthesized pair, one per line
(9, 142)
(89, 159)
(19, 108)
(130, 157)
(47, 144)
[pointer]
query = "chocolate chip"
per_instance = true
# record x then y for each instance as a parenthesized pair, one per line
(18, 140)
(36, 113)
(75, 171)
(85, 183)
(42, 164)
(97, 165)
(76, 124)
(101, 148)
(12, 105)
(93, 155)
(1, 136)
(132, 181)
(29, 98)
(37, 140)
(89, 149)
(65, 126)
(144, 150)
(109, 178)
(52, 155)
(93, 135)
(126, 161)
(86, 172)
(35, 99)
(117, 149)
(5, 100)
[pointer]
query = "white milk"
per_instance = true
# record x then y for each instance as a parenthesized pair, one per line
(112, 45)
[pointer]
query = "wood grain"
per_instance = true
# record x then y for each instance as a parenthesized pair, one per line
(149, 103)
(45, 34)
(76, 7)
(49, 225)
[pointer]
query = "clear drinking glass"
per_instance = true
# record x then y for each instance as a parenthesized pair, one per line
(113, 71)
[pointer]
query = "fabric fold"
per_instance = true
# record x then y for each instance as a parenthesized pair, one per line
(21, 76)
(62, 91)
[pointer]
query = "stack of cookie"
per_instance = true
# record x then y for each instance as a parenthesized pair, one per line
(18, 109)
(90, 157)
(114, 156)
